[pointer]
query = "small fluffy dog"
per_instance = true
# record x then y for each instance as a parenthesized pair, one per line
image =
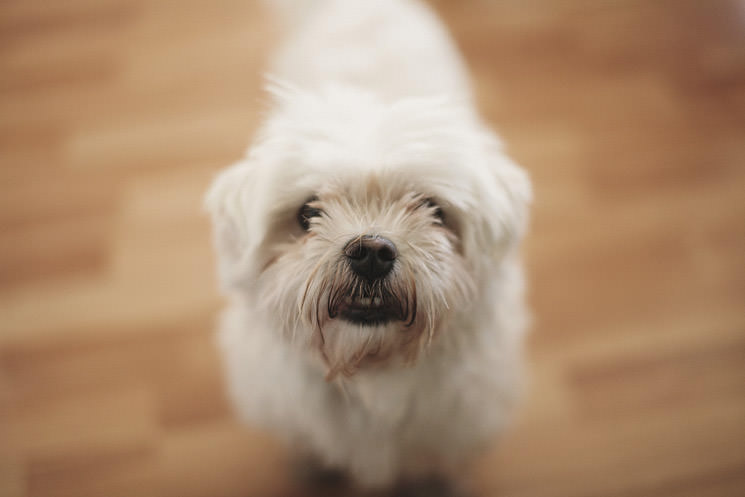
(368, 242)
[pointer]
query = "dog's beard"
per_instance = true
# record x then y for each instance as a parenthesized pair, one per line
(360, 323)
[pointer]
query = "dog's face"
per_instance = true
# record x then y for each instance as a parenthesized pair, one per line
(358, 228)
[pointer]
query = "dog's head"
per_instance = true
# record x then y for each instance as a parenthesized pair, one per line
(359, 227)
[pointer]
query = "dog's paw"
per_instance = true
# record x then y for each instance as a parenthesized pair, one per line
(433, 486)
(309, 473)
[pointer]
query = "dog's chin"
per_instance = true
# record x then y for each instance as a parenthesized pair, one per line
(366, 327)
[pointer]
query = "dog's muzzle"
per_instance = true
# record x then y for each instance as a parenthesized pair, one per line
(369, 298)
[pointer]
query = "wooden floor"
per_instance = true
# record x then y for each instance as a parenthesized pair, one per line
(629, 115)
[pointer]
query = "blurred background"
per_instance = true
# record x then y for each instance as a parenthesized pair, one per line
(628, 114)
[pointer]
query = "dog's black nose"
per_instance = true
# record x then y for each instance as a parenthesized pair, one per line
(371, 256)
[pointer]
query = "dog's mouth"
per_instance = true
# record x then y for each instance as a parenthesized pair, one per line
(375, 304)
(368, 311)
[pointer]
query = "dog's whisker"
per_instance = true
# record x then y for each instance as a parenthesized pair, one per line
(309, 280)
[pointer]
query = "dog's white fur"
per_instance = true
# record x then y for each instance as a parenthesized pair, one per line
(372, 114)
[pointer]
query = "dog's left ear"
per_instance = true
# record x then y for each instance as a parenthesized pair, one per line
(505, 193)
(231, 202)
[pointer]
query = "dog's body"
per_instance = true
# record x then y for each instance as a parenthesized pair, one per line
(404, 366)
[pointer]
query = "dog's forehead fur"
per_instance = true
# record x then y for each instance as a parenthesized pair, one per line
(343, 133)
(431, 145)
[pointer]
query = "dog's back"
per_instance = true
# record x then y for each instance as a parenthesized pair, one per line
(395, 48)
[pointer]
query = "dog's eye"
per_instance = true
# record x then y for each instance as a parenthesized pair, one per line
(436, 210)
(306, 212)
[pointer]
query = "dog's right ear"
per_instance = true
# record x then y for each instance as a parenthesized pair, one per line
(231, 202)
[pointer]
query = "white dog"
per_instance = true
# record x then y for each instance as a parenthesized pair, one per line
(368, 242)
